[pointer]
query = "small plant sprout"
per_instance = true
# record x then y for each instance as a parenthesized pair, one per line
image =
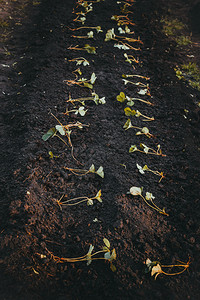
(146, 150)
(78, 200)
(82, 172)
(146, 168)
(109, 255)
(98, 28)
(53, 132)
(83, 82)
(122, 20)
(139, 76)
(143, 130)
(110, 35)
(131, 59)
(87, 47)
(124, 9)
(97, 100)
(88, 8)
(63, 130)
(145, 91)
(130, 101)
(80, 60)
(125, 30)
(148, 199)
(155, 268)
(90, 35)
(138, 84)
(131, 112)
(81, 111)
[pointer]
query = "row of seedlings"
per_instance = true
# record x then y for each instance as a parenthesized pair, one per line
(77, 106)
(154, 267)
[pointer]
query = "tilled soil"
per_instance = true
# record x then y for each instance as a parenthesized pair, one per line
(33, 225)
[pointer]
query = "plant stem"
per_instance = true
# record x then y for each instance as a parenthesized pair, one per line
(154, 206)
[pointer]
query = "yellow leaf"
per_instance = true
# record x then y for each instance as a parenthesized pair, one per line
(106, 242)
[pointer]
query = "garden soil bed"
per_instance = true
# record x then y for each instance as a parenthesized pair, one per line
(32, 223)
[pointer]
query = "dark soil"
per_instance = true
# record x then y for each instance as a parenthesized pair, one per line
(32, 223)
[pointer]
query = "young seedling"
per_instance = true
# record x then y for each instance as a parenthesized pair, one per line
(51, 133)
(63, 130)
(131, 112)
(139, 76)
(109, 255)
(83, 82)
(122, 20)
(155, 267)
(88, 8)
(87, 47)
(124, 9)
(98, 28)
(78, 200)
(80, 60)
(148, 199)
(110, 35)
(131, 59)
(82, 172)
(80, 110)
(138, 84)
(146, 150)
(90, 35)
(125, 30)
(81, 19)
(125, 46)
(82, 101)
(143, 130)
(146, 168)
(130, 101)
(145, 91)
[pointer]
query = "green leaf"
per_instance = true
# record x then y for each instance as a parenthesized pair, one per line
(98, 196)
(51, 154)
(89, 49)
(129, 112)
(130, 103)
(82, 111)
(92, 168)
(88, 85)
(100, 172)
(113, 268)
(106, 242)
(60, 129)
(107, 255)
(93, 78)
(90, 202)
(145, 130)
(127, 125)
(121, 97)
(133, 148)
(49, 134)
